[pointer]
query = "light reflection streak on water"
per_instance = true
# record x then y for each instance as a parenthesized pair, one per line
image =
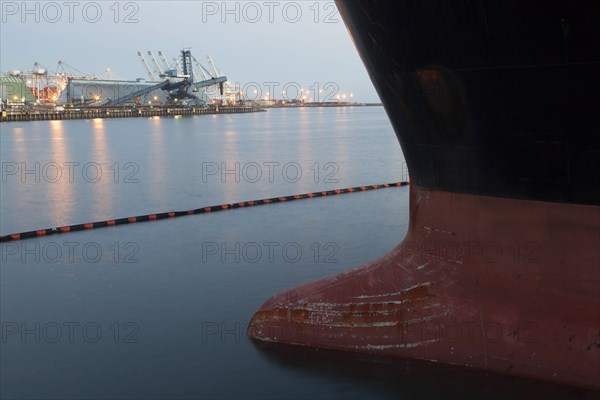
(59, 187)
(111, 173)
(158, 164)
(231, 170)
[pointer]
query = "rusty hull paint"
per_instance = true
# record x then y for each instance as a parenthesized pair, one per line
(484, 282)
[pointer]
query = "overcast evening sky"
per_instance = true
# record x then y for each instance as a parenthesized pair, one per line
(287, 42)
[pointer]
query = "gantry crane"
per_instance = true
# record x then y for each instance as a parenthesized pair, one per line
(178, 86)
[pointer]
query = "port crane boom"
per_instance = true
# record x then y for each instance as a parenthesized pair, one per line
(212, 81)
(122, 100)
(200, 69)
(146, 67)
(157, 69)
(164, 61)
(212, 65)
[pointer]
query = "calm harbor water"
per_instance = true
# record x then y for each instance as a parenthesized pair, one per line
(159, 310)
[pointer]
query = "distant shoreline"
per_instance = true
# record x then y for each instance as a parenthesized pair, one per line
(322, 104)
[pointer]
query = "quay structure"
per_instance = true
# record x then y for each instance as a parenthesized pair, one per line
(120, 112)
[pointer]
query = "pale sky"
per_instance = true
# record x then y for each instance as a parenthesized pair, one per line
(287, 42)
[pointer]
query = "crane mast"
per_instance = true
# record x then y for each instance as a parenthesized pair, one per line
(186, 62)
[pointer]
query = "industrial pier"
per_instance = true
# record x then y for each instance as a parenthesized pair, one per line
(121, 112)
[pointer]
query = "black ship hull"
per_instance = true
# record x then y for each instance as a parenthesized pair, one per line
(490, 98)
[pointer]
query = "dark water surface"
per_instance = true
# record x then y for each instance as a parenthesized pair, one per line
(159, 310)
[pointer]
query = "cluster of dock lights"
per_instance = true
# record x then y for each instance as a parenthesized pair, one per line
(155, 98)
(304, 97)
(16, 98)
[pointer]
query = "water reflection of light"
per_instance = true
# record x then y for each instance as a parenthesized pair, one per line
(158, 165)
(19, 140)
(60, 186)
(305, 155)
(231, 162)
(98, 124)
(102, 190)
(56, 129)
(20, 190)
(266, 123)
